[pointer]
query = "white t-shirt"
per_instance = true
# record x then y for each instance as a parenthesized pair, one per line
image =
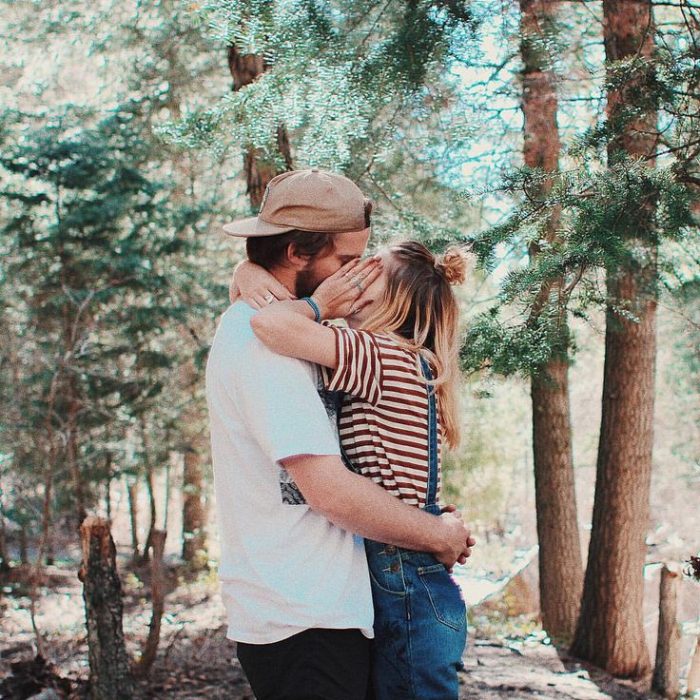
(284, 568)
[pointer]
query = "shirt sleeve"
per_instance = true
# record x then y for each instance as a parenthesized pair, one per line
(359, 368)
(279, 401)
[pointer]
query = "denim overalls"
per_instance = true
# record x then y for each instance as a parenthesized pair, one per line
(420, 621)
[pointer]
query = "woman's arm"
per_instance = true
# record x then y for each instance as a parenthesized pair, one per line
(256, 286)
(289, 329)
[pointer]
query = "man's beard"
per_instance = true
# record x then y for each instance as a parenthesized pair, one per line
(306, 283)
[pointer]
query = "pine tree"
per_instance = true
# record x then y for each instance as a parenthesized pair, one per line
(88, 237)
(560, 566)
(610, 632)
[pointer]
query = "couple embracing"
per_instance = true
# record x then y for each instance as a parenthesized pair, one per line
(326, 441)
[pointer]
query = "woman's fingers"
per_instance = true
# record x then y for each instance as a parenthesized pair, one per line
(258, 301)
(366, 267)
(371, 274)
(279, 291)
(346, 269)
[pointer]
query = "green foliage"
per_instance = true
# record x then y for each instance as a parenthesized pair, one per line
(341, 81)
(87, 238)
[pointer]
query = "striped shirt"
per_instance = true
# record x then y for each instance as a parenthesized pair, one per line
(383, 423)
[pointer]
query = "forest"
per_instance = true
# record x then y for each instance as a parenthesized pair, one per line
(557, 141)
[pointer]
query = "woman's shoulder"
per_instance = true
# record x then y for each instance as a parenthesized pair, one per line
(392, 346)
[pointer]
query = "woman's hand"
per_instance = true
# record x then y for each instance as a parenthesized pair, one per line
(256, 286)
(339, 295)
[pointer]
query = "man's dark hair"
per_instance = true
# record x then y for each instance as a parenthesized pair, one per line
(270, 251)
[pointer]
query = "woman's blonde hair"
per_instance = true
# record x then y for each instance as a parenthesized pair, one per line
(420, 310)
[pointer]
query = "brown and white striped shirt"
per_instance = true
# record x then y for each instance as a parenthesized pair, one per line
(383, 422)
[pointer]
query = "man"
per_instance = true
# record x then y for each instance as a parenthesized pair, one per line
(294, 578)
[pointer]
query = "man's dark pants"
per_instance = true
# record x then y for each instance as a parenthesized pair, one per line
(317, 664)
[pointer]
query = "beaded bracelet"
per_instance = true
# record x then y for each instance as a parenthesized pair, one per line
(314, 306)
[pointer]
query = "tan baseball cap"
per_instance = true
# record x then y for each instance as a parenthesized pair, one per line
(308, 200)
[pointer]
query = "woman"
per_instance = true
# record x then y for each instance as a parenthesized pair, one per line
(397, 368)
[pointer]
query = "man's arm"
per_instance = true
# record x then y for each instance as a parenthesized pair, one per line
(355, 503)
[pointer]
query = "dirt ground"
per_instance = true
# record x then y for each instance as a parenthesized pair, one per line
(196, 660)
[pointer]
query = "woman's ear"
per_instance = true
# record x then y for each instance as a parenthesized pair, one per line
(294, 260)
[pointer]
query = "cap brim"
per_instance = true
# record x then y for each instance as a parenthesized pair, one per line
(252, 227)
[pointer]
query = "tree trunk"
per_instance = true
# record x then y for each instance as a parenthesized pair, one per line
(168, 486)
(108, 486)
(667, 669)
(150, 487)
(24, 546)
(4, 554)
(45, 546)
(132, 490)
(245, 68)
(72, 458)
(610, 631)
(560, 566)
(693, 680)
(157, 601)
(110, 673)
(193, 535)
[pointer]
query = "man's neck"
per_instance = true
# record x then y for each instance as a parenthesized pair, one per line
(286, 276)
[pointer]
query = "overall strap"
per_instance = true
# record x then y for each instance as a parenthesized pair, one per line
(336, 398)
(431, 493)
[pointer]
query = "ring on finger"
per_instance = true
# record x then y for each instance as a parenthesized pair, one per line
(358, 284)
(269, 297)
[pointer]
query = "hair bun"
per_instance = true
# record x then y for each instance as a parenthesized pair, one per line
(453, 264)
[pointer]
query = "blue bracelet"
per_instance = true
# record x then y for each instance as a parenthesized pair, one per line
(314, 306)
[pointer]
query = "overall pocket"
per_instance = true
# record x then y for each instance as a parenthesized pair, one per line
(444, 595)
(385, 570)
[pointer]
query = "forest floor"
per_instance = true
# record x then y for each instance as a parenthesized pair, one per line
(505, 657)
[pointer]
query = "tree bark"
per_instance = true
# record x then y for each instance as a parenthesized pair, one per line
(24, 546)
(108, 486)
(560, 565)
(157, 601)
(4, 555)
(245, 68)
(610, 630)
(150, 487)
(133, 494)
(667, 669)
(693, 680)
(110, 673)
(193, 533)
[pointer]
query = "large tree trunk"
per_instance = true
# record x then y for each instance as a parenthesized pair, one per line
(560, 566)
(110, 673)
(245, 68)
(193, 534)
(610, 631)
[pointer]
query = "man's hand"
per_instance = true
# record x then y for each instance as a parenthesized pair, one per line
(458, 541)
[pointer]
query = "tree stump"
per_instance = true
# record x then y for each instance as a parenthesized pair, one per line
(666, 679)
(110, 672)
